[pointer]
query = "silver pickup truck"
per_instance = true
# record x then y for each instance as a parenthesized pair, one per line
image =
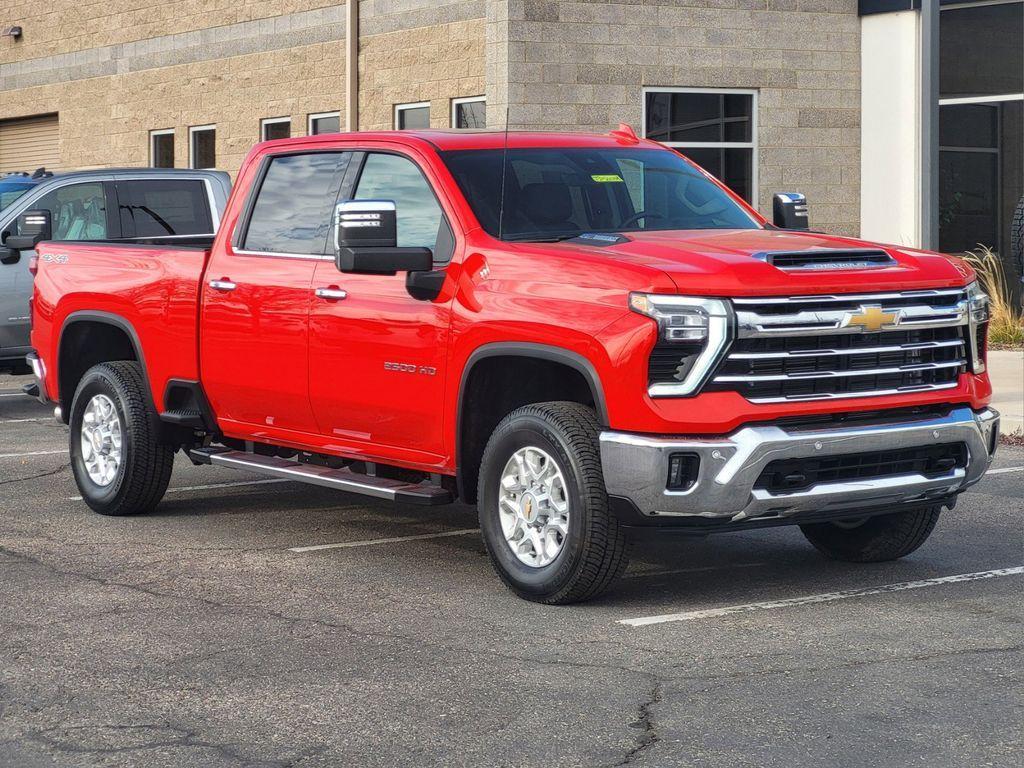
(108, 204)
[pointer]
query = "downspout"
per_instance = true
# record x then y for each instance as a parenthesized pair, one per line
(352, 66)
(930, 124)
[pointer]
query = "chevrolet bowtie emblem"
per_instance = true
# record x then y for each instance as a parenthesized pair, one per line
(871, 318)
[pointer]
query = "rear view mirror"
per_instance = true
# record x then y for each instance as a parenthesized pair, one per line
(789, 211)
(366, 240)
(33, 227)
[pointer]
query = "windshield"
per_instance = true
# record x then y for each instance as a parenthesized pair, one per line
(11, 190)
(558, 193)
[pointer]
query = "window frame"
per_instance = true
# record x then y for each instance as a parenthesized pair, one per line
(456, 103)
(152, 154)
(274, 121)
(399, 108)
(192, 131)
(320, 116)
(752, 145)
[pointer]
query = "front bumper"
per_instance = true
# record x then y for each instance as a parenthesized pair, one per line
(636, 468)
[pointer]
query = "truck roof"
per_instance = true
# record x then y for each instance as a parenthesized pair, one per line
(445, 140)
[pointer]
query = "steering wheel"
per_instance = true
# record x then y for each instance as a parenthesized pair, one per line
(640, 215)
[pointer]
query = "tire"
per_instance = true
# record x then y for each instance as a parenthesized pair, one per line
(143, 471)
(592, 553)
(876, 539)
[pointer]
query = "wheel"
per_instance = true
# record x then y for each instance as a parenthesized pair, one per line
(119, 464)
(873, 539)
(543, 507)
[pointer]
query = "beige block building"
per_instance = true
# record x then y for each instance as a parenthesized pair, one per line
(817, 96)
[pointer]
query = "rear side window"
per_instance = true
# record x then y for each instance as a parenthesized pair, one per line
(164, 208)
(292, 211)
(78, 211)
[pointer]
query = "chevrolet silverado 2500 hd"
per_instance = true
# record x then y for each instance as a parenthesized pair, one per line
(586, 336)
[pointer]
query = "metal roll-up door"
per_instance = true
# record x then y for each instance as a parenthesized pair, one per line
(30, 143)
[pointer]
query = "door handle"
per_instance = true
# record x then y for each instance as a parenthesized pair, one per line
(223, 285)
(332, 293)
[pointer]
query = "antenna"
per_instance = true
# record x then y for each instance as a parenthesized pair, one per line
(504, 167)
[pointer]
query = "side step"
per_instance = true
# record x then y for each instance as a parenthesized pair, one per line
(314, 474)
(184, 417)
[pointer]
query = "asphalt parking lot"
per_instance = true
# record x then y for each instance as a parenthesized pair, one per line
(200, 636)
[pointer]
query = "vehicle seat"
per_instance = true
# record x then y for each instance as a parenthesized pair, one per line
(547, 205)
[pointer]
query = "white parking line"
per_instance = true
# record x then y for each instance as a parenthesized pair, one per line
(25, 421)
(13, 394)
(31, 453)
(1005, 469)
(371, 542)
(212, 486)
(826, 597)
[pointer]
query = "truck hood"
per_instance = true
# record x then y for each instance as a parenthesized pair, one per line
(732, 262)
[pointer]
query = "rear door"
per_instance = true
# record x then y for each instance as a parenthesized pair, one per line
(255, 309)
(377, 356)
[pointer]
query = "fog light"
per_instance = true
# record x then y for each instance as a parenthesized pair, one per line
(682, 471)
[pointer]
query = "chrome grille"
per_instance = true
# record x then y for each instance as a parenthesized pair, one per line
(821, 347)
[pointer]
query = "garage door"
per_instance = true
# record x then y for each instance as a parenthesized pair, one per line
(29, 144)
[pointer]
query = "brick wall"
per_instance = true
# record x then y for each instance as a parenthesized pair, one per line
(583, 65)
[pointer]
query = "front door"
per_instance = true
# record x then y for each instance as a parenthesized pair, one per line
(254, 346)
(377, 356)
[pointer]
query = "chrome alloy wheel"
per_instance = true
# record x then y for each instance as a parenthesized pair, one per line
(101, 440)
(533, 506)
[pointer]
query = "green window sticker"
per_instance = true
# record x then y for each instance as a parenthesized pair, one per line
(607, 178)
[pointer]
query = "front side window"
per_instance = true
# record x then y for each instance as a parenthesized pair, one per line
(78, 211)
(203, 146)
(558, 193)
(391, 177)
(163, 208)
(294, 205)
(715, 129)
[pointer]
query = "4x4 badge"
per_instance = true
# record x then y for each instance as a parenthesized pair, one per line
(871, 318)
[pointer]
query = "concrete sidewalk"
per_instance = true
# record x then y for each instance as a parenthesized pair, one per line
(1007, 372)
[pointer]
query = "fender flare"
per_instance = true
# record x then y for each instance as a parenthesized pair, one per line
(105, 318)
(547, 352)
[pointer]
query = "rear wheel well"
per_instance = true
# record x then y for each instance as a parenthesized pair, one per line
(498, 385)
(84, 344)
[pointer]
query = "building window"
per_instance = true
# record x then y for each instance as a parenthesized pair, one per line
(981, 125)
(161, 148)
(275, 128)
(469, 113)
(412, 116)
(717, 129)
(324, 122)
(202, 146)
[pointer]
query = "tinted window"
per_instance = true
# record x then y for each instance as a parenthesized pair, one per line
(471, 114)
(410, 118)
(391, 177)
(164, 208)
(277, 129)
(162, 150)
(555, 193)
(293, 208)
(324, 124)
(79, 211)
(204, 147)
(12, 190)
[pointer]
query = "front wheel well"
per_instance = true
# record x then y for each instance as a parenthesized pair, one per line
(84, 344)
(497, 385)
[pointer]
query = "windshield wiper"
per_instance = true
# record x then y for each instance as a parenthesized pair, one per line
(541, 238)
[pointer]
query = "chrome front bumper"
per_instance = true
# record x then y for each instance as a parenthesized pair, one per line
(636, 467)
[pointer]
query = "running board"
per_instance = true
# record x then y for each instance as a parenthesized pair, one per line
(314, 474)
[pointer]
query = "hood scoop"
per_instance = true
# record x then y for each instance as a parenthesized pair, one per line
(827, 259)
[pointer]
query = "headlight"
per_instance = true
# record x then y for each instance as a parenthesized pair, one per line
(977, 324)
(693, 333)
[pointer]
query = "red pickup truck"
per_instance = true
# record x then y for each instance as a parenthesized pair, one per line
(586, 336)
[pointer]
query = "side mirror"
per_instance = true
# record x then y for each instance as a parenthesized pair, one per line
(789, 211)
(34, 227)
(366, 240)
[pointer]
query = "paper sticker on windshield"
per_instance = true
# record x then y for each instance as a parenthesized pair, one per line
(607, 178)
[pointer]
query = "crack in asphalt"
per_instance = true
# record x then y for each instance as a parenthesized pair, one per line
(648, 737)
(47, 473)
